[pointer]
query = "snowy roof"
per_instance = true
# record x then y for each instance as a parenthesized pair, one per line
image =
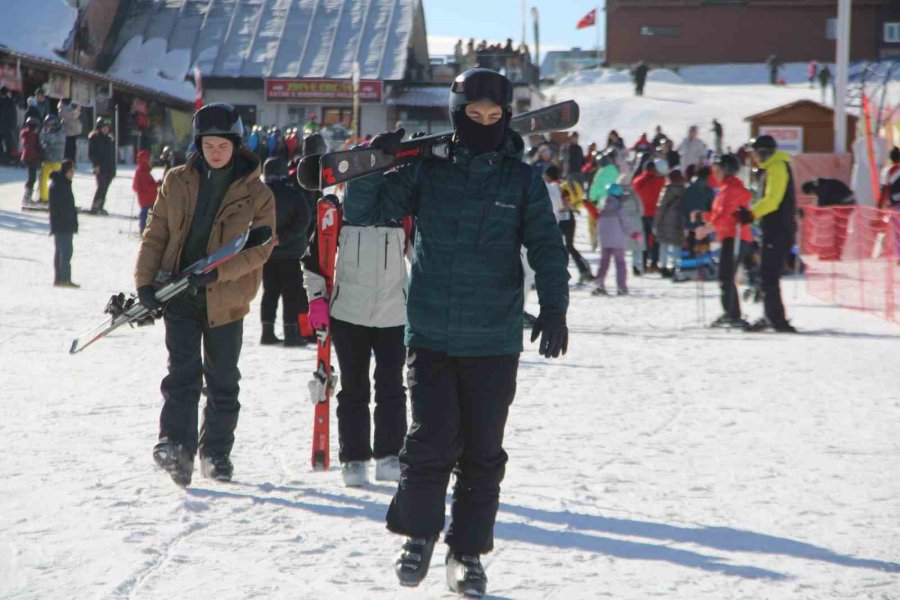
(266, 38)
(437, 97)
(37, 27)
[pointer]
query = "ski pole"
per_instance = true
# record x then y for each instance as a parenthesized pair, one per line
(131, 217)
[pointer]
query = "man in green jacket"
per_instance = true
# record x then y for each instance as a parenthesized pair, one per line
(473, 212)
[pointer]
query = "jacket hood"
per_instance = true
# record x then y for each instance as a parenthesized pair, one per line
(778, 156)
(143, 158)
(245, 163)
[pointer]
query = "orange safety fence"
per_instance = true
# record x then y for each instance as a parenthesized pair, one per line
(852, 257)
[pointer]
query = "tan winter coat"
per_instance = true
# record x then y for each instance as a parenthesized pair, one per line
(247, 202)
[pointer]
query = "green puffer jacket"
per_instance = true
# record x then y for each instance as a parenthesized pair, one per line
(466, 282)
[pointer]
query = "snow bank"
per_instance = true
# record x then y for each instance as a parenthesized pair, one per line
(36, 27)
(150, 64)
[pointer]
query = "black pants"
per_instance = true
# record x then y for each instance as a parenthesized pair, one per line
(186, 327)
(62, 258)
(33, 168)
(773, 254)
(568, 230)
(103, 181)
(282, 278)
(652, 245)
(354, 346)
(70, 147)
(8, 145)
(459, 410)
(731, 303)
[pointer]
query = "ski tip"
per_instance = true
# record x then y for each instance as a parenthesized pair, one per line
(308, 172)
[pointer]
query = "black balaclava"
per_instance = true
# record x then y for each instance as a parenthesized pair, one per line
(480, 138)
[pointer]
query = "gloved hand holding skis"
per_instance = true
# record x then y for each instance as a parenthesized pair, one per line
(318, 314)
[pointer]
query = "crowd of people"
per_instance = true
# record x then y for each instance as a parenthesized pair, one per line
(665, 204)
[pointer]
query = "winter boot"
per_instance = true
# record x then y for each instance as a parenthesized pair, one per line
(353, 473)
(599, 291)
(636, 272)
(176, 460)
(292, 338)
(415, 558)
(465, 575)
(26, 198)
(760, 324)
(387, 468)
(622, 291)
(268, 335)
(216, 466)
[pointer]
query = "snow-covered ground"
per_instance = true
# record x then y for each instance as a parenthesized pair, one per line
(729, 93)
(657, 459)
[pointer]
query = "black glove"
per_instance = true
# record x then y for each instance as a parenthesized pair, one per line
(147, 296)
(551, 326)
(388, 141)
(743, 215)
(201, 280)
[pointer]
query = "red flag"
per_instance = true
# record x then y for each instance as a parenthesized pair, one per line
(588, 20)
(198, 89)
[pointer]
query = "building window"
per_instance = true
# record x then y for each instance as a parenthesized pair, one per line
(892, 33)
(831, 29)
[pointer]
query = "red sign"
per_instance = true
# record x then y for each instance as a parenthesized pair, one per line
(9, 77)
(322, 90)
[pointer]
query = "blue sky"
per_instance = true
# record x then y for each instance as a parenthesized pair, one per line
(496, 20)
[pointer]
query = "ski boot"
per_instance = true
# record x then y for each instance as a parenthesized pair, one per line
(268, 335)
(353, 473)
(176, 461)
(292, 337)
(387, 468)
(217, 467)
(465, 575)
(412, 564)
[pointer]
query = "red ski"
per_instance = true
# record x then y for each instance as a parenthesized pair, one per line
(328, 221)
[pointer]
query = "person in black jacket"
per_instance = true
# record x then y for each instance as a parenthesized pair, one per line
(8, 143)
(314, 143)
(63, 223)
(829, 192)
(281, 273)
(102, 153)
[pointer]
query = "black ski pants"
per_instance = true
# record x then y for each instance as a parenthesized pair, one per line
(731, 303)
(186, 328)
(354, 346)
(775, 248)
(71, 146)
(33, 168)
(459, 410)
(282, 278)
(103, 180)
(652, 244)
(568, 230)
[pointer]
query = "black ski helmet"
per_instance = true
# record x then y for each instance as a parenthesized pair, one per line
(314, 143)
(728, 163)
(101, 122)
(219, 119)
(479, 84)
(764, 146)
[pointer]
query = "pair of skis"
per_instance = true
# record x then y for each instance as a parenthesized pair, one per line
(124, 309)
(318, 171)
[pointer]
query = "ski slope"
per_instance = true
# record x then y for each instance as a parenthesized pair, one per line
(658, 459)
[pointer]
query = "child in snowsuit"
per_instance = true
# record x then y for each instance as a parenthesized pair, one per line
(365, 314)
(145, 186)
(53, 149)
(31, 155)
(613, 230)
(63, 223)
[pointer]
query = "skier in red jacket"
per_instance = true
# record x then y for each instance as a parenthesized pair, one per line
(647, 186)
(733, 198)
(145, 186)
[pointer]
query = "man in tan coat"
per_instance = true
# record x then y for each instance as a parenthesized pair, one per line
(201, 206)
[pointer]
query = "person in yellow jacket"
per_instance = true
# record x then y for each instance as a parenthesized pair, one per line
(775, 212)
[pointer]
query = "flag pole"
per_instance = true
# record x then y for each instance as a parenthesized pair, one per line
(597, 26)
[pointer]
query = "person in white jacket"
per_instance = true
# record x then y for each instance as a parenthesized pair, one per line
(366, 315)
(70, 117)
(692, 151)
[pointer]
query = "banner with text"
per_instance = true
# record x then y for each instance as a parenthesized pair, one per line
(322, 90)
